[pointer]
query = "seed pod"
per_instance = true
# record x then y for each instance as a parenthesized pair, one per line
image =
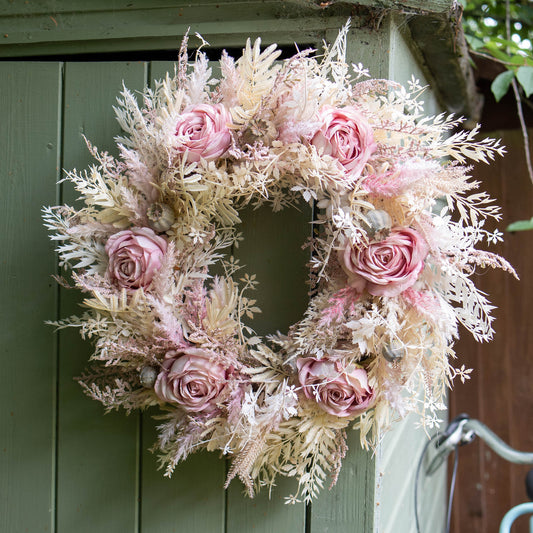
(378, 224)
(160, 217)
(392, 352)
(148, 376)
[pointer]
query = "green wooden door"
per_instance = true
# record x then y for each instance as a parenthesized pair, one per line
(64, 466)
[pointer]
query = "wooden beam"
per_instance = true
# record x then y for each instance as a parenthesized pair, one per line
(61, 27)
(444, 52)
(398, 6)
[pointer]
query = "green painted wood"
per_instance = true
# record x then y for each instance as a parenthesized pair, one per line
(349, 506)
(49, 27)
(369, 47)
(26, 24)
(401, 449)
(28, 172)
(97, 454)
(12, 7)
(115, 26)
(193, 500)
(103, 468)
(272, 249)
(141, 45)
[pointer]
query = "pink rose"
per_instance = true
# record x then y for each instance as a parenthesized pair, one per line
(202, 131)
(386, 267)
(192, 379)
(134, 256)
(339, 391)
(347, 136)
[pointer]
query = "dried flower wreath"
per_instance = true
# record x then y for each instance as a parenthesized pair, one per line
(390, 265)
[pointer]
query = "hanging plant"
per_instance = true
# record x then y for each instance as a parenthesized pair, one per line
(390, 273)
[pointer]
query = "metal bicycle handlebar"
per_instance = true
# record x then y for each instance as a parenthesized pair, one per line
(462, 430)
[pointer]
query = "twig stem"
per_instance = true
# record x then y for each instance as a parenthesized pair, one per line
(518, 98)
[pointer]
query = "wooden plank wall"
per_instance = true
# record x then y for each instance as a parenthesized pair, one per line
(66, 467)
(500, 391)
(28, 170)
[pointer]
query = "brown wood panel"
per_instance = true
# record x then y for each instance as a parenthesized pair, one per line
(500, 391)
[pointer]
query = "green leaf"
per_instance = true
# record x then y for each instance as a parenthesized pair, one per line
(474, 42)
(496, 51)
(521, 225)
(521, 60)
(501, 83)
(524, 75)
(511, 45)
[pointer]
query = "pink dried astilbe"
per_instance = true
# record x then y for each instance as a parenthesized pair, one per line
(425, 302)
(342, 303)
(195, 303)
(92, 230)
(236, 395)
(163, 279)
(110, 166)
(227, 89)
(138, 173)
(293, 131)
(94, 284)
(167, 327)
(376, 86)
(396, 181)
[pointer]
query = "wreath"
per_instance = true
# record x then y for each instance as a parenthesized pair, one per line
(392, 253)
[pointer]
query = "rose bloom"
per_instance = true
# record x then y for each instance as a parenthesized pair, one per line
(386, 267)
(202, 131)
(339, 391)
(347, 136)
(192, 379)
(134, 256)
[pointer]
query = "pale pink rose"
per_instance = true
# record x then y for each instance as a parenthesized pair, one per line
(386, 267)
(339, 391)
(192, 379)
(134, 256)
(345, 135)
(202, 131)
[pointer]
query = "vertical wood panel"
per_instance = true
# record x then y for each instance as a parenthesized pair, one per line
(518, 332)
(272, 250)
(349, 506)
(29, 100)
(97, 461)
(500, 391)
(494, 364)
(193, 500)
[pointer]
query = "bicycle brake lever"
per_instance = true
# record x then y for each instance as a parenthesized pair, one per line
(454, 435)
